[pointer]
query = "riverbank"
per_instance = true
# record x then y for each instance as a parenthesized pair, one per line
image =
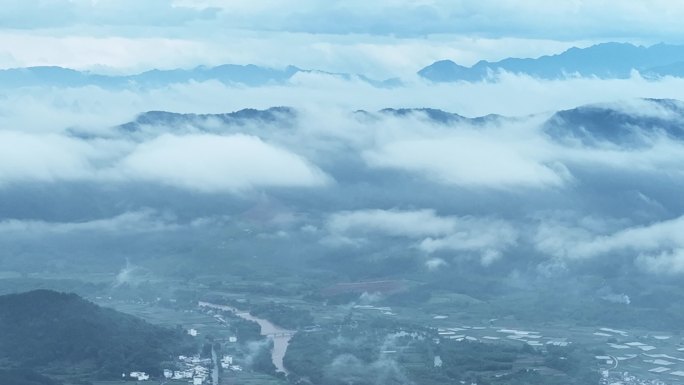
(280, 336)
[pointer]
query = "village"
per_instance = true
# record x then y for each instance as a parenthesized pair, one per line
(194, 370)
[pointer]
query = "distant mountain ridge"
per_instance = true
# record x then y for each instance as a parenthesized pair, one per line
(606, 61)
(249, 75)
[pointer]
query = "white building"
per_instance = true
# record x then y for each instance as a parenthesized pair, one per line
(140, 376)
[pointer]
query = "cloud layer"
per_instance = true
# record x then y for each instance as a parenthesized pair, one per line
(207, 163)
(465, 190)
(484, 237)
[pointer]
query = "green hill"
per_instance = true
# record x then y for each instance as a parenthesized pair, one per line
(64, 334)
(24, 377)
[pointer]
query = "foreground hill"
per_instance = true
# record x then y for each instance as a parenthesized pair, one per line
(61, 333)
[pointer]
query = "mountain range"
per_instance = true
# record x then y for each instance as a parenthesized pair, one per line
(589, 125)
(247, 75)
(605, 61)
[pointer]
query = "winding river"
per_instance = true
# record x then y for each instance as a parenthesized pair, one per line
(280, 337)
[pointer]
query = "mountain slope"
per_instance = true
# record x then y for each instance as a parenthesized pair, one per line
(46, 330)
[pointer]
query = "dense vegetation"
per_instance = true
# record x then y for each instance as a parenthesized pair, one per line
(48, 330)
(283, 316)
(245, 330)
(24, 377)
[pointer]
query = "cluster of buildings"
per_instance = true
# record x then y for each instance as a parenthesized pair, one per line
(140, 376)
(227, 363)
(195, 370)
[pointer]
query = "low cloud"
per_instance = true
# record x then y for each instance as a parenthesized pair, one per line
(130, 275)
(578, 243)
(130, 222)
(669, 262)
(44, 158)
(211, 163)
(347, 368)
(485, 238)
(434, 264)
(205, 163)
(412, 224)
(469, 161)
(478, 172)
(656, 248)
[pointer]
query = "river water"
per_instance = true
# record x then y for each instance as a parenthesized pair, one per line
(280, 337)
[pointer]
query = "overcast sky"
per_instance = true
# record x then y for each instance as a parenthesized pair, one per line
(390, 37)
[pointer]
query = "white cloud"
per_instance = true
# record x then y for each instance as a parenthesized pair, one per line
(44, 158)
(133, 222)
(467, 160)
(130, 275)
(205, 163)
(485, 238)
(667, 262)
(512, 155)
(212, 163)
(434, 264)
(653, 242)
(412, 224)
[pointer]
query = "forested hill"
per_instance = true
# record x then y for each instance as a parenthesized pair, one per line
(45, 329)
(25, 377)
